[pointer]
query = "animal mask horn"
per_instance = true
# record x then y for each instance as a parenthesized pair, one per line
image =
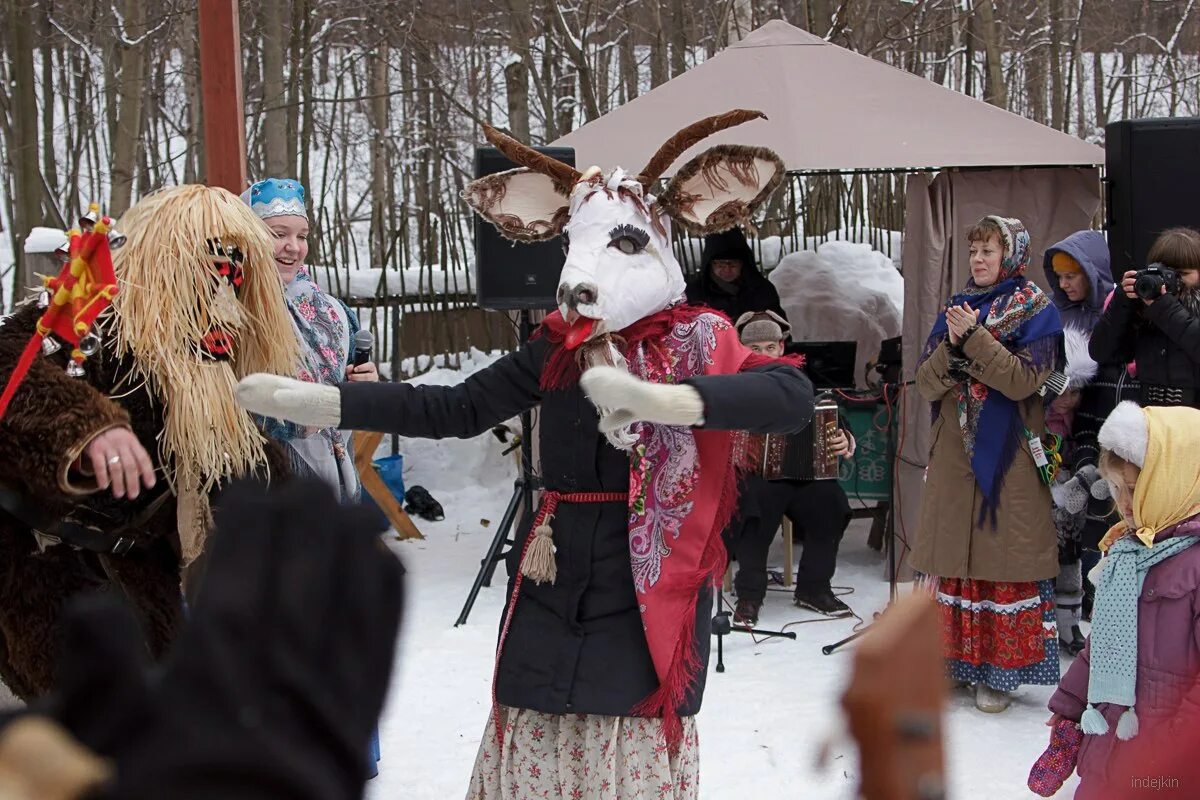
(564, 176)
(681, 141)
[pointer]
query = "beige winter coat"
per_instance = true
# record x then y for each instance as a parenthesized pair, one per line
(949, 543)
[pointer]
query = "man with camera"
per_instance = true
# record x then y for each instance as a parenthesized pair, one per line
(1154, 321)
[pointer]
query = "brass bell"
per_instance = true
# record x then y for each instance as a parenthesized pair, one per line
(43, 300)
(89, 344)
(50, 345)
(116, 239)
(75, 369)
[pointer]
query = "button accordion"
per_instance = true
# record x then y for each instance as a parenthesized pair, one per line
(807, 455)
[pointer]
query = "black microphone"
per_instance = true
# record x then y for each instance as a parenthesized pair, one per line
(363, 340)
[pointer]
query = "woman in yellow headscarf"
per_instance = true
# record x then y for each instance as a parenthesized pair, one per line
(1144, 648)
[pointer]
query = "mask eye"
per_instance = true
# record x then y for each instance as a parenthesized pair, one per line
(629, 239)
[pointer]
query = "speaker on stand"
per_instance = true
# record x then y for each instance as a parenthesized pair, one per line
(513, 277)
(1152, 182)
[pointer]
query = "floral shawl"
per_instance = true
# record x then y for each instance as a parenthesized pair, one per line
(1023, 319)
(325, 330)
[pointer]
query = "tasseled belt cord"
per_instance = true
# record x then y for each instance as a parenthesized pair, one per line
(538, 564)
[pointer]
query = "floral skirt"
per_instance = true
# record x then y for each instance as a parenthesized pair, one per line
(583, 757)
(998, 633)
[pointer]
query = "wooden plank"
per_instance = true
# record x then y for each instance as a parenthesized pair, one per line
(365, 443)
(221, 89)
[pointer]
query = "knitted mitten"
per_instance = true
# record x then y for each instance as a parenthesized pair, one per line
(1057, 763)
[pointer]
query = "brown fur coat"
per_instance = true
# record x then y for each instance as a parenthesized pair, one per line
(50, 421)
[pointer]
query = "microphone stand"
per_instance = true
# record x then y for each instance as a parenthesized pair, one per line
(891, 392)
(722, 626)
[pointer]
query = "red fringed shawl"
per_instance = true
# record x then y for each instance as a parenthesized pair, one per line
(682, 487)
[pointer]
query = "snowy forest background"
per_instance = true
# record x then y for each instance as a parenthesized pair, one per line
(375, 105)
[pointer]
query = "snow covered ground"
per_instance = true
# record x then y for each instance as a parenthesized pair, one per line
(762, 721)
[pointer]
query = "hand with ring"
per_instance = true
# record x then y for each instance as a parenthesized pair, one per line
(118, 460)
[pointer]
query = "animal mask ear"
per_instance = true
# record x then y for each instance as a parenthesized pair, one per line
(526, 206)
(722, 187)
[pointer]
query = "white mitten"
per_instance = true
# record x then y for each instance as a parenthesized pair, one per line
(312, 404)
(623, 399)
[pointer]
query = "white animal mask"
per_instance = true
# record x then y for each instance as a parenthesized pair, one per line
(620, 266)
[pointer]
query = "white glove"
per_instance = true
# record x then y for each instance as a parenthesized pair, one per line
(623, 399)
(312, 404)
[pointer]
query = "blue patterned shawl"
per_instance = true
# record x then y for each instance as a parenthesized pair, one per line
(1023, 319)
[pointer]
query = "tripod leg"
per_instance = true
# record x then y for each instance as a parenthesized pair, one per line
(488, 565)
(506, 525)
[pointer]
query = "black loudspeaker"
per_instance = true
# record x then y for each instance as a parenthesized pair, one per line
(1152, 173)
(512, 276)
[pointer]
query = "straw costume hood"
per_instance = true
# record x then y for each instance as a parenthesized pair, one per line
(199, 305)
(610, 587)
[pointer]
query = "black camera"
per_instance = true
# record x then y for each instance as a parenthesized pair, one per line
(1149, 282)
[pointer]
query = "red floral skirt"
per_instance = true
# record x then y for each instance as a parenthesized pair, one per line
(999, 633)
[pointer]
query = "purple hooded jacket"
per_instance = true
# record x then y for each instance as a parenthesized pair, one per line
(1168, 663)
(1090, 249)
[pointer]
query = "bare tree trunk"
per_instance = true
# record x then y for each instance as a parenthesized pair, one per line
(740, 20)
(629, 66)
(275, 113)
(23, 146)
(49, 159)
(516, 71)
(296, 48)
(129, 114)
(994, 89)
(1058, 106)
(1098, 89)
(658, 46)
(678, 38)
(377, 63)
(193, 166)
(575, 47)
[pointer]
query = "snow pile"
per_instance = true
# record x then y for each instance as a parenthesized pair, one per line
(842, 291)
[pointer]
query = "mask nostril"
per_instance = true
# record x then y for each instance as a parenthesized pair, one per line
(585, 294)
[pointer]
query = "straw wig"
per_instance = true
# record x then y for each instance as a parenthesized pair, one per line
(171, 297)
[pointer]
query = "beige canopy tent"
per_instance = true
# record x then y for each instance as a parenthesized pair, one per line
(833, 110)
(828, 108)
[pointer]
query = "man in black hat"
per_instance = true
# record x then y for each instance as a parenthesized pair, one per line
(729, 279)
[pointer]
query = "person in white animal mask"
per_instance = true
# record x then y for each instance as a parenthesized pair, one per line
(604, 640)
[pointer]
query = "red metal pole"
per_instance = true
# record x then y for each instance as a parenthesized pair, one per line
(221, 89)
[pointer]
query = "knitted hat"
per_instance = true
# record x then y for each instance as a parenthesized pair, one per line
(761, 326)
(276, 197)
(1063, 264)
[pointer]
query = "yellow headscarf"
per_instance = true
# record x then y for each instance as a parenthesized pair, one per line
(1168, 488)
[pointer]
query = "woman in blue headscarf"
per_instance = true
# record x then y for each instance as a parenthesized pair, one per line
(986, 543)
(325, 328)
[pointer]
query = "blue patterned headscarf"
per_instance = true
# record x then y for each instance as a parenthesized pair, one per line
(1021, 317)
(276, 197)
